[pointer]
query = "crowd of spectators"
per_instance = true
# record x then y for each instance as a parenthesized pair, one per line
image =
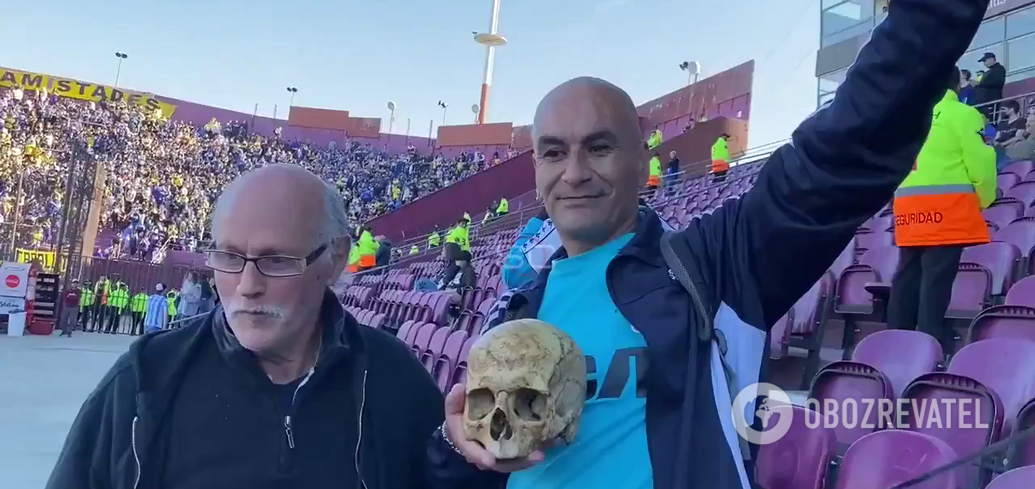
(162, 176)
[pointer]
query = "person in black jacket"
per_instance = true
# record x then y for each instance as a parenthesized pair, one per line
(990, 88)
(614, 287)
(277, 388)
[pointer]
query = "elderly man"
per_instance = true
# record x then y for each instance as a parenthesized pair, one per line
(279, 387)
(660, 415)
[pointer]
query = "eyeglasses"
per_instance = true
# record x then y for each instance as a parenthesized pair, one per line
(268, 265)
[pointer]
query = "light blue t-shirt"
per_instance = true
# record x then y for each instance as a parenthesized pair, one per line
(610, 449)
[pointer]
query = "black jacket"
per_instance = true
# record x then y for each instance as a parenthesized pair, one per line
(990, 88)
(122, 435)
(752, 258)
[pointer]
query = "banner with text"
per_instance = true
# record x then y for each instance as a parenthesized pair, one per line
(45, 258)
(92, 92)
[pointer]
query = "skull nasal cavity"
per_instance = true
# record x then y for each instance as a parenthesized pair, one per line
(500, 429)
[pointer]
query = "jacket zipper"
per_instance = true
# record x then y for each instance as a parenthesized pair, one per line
(289, 433)
(359, 438)
(136, 456)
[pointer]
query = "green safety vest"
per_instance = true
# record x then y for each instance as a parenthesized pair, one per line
(720, 151)
(139, 303)
(414, 250)
(86, 298)
(434, 240)
(503, 207)
(458, 235)
(171, 299)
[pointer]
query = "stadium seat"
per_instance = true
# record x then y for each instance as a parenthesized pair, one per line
(1020, 233)
(858, 382)
(406, 332)
(1019, 478)
(460, 372)
(1019, 168)
(863, 290)
(1024, 192)
(890, 457)
(431, 354)
(901, 355)
(1007, 180)
(803, 327)
(423, 339)
(971, 291)
(1001, 259)
(442, 372)
(802, 457)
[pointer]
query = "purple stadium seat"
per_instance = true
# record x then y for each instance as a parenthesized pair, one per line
(1020, 233)
(442, 372)
(460, 372)
(423, 338)
(1001, 259)
(845, 380)
(1022, 169)
(887, 458)
(807, 318)
(377, 321)
(1016, 204)
(434, 349)
(971, 291)
(1022, 293)
(801, 458)
(844, 260)
(1007, 180)
(406, 332)
(1019, 478)
(901, 355)
(1024, 192)
(1023, 453)
(874, 272)
(874, 240)
(1004, 365)
(1006, 321)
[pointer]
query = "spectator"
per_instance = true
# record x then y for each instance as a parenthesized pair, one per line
(1025, 148)
(1010, 131)
(673, 173)
(70, 309)
(190, 296)
(966, 88)
(614, 286)
(156, 316)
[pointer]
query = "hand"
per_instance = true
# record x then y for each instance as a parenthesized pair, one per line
(472, 450)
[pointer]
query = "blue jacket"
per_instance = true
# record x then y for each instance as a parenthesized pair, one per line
(754, 257)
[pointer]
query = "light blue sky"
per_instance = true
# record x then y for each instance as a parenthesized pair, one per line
(358, 55)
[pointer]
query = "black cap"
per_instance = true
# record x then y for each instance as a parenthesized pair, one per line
(987, 56)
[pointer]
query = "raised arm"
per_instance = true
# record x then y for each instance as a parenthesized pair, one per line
(843, 165)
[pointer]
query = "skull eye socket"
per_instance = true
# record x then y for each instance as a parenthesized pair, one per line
(480, 402)
(529, 405)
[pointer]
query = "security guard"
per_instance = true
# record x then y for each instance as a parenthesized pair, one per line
(457, 251)
(720, 158)
(353, 266)
(503, 208)
(137, 308)
(434, 239)
(655, 139)
(938, 213)
(100, 306)
(171, 297)
(118, 299)
(368, 247)
(654, 180)
(414, 250)
(87, 297)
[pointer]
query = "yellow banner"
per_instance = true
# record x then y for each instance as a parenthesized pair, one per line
(45, 258)
(67, 87)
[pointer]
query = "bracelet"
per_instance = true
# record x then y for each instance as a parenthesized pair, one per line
(445, 437)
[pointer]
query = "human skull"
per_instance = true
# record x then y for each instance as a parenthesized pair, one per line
(526, 384)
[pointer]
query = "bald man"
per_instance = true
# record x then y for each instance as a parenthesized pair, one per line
(664, 363)
(277, 388)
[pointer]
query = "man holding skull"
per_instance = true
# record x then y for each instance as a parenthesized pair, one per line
(658, 410)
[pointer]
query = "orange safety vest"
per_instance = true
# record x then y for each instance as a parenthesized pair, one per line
(720, 165)
(366, 261)
(936, 215)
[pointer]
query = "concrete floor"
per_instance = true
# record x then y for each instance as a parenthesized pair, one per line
(43, 382)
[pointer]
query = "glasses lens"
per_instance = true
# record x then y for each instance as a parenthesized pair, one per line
(224, 261)
(280, 266)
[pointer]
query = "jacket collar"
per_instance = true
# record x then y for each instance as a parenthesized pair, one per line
(645, 244)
